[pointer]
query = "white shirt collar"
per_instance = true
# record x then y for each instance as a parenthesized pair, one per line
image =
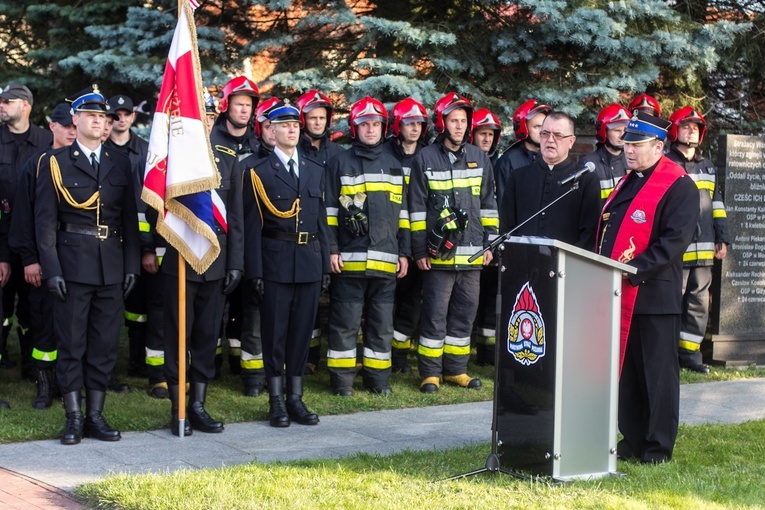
(87, 152)
(285, 159)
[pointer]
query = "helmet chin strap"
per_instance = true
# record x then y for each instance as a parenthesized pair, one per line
(455, 142)
(237, 125)
(614, 147)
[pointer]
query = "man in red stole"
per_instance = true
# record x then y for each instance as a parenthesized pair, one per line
(647, 223)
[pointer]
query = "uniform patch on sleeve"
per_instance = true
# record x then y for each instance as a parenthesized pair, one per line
(472, 164)
(225, 150)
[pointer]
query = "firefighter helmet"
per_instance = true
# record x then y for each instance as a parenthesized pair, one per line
(608, 116)
(645, 103)
(406, 111)
(261, 113)
(239, 85)
(446, 105)
(524, 113)
(485, 118)
(683, 115)
(367, 109)
(314, 99)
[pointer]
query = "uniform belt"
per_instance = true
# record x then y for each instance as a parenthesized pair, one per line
(99, 231)
(295, 237)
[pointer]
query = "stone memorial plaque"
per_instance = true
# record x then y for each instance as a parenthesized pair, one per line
(741, 322)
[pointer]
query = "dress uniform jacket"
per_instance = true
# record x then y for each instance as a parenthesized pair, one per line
(572, 220)
(279, 260)
(85, 258)
(230, 191)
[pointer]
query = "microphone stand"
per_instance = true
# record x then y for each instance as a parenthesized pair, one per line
(503, 237)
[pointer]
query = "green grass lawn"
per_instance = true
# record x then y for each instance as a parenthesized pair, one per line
(715, 467)
(137, 411)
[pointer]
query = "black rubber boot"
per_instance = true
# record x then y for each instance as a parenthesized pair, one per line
(96, 425)
(296, 409)
(196, 413)
(74, 419)
(277, 408)
(45, 383)
(174, 424)
(400, 362)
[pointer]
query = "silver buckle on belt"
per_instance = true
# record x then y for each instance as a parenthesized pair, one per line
(302, 238)
(102, 231)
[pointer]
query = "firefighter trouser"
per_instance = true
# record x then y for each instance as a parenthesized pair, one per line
(693, 325)
(155, 340)
(449, 303)
(44, 350)
(350, 299)
(252, 345)
(408, 302)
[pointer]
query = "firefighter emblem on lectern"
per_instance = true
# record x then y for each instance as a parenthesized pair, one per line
(526, 329)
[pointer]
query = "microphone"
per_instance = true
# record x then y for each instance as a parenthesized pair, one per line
(588, 167)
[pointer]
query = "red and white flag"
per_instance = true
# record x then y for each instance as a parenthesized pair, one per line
(181, 175)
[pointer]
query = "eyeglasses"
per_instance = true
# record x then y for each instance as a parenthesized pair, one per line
(8, 101)
(557, 136)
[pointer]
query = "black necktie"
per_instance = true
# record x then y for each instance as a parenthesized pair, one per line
(291, 164)
(94, 162)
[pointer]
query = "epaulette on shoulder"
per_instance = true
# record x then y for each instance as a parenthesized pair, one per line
(226, 150)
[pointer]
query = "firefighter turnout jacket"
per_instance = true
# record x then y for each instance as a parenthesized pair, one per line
(460, 181)
(375, 173)
(712, 228)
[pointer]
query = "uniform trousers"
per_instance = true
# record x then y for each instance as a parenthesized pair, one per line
(649, 389)
(449, 303)
(693, 326)
(87, 326)
(204, 313)
(44, 348)
(287, 316)
(352, 298)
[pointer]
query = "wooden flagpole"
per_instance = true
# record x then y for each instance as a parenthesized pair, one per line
(181, 327)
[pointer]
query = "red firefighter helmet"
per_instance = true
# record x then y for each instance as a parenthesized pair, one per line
(686, 114)
(446, 105)
(611, 114)
(406, 111)
(314, 99)
(645, 103)
(261, 113)
(525, 112)
(367, 109)
(485, 118)
(238, 86)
